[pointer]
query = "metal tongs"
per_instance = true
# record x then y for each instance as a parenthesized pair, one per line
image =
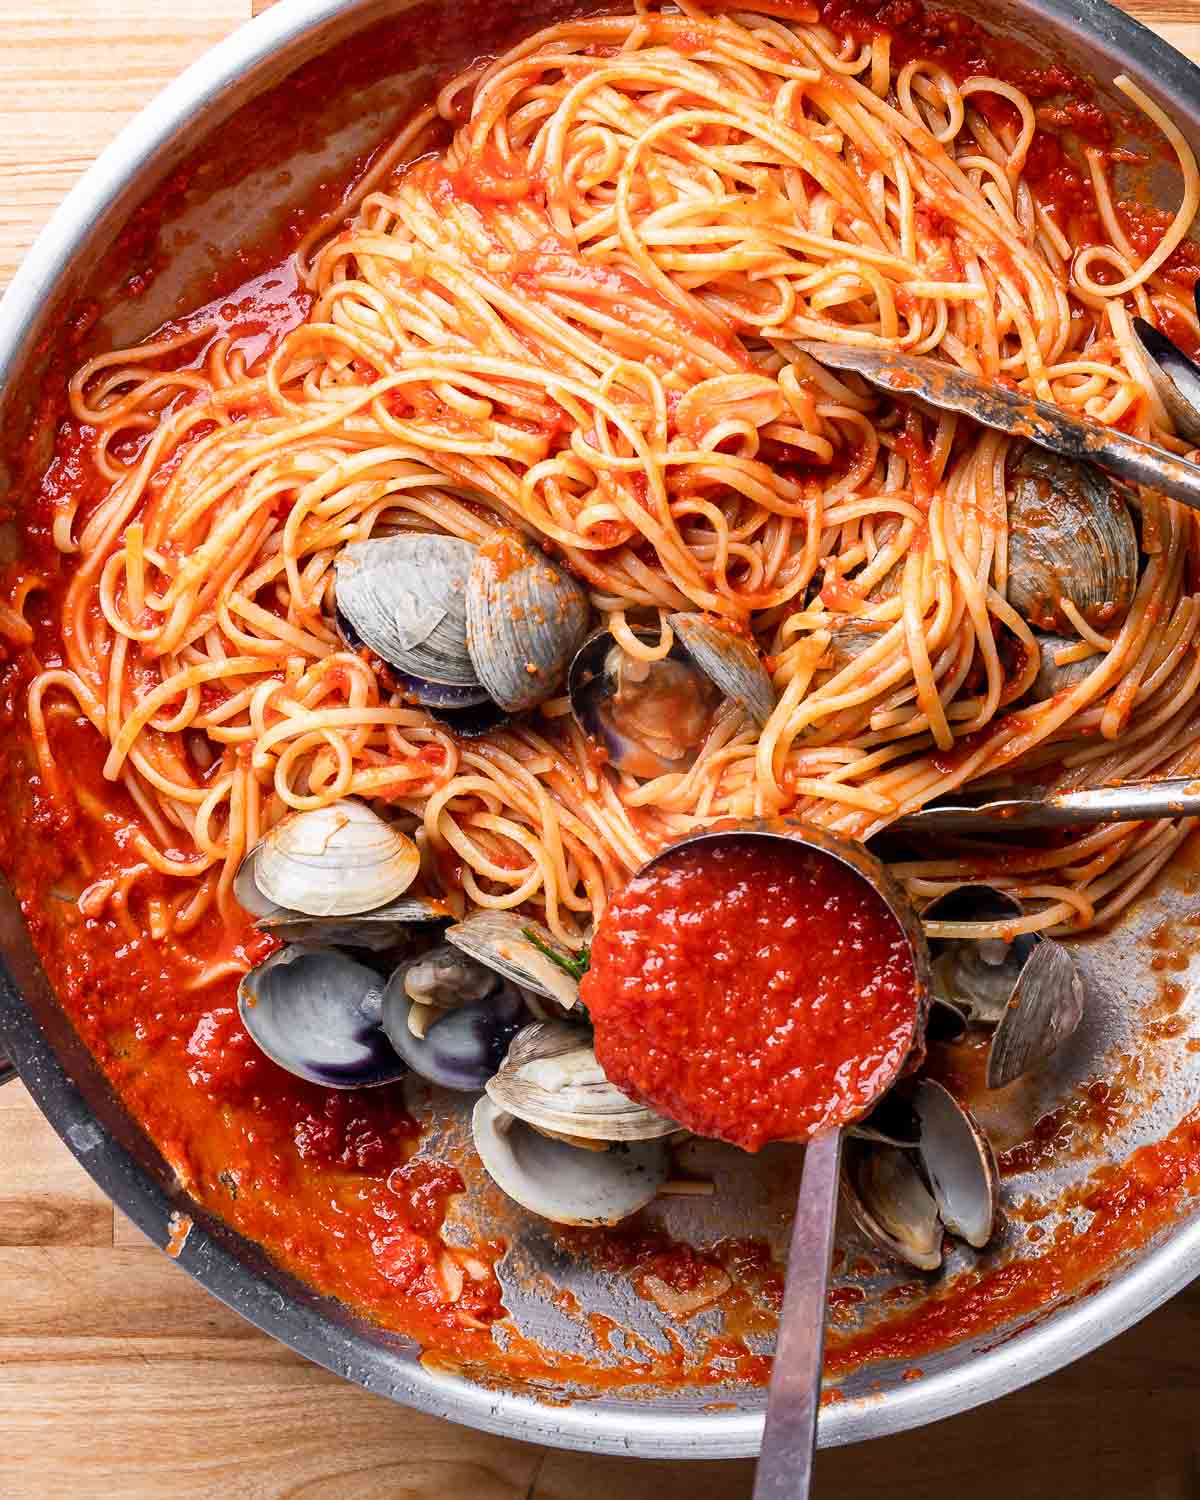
(1123, 802)
(1083, 439)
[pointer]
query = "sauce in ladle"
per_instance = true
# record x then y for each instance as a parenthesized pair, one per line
(752, 989)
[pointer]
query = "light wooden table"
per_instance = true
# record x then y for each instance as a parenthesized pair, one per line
(120, 1377)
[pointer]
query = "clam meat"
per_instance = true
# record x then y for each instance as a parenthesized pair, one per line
(451, 1019)
(651, 717)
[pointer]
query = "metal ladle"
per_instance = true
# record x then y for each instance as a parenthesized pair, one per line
(785, 1460)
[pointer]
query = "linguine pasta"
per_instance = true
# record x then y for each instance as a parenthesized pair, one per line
(567, 299)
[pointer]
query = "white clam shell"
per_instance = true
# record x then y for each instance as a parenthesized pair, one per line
(551, 1080)
(335, 861)
(559, 1182)
(497, 938)
(959, 1163)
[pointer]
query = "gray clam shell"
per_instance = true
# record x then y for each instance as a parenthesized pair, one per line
(406, 598)
(886, 1197)
(730, 663)
(1069, 536)
(959, 1164)
(526, 618)
(1046, 1007)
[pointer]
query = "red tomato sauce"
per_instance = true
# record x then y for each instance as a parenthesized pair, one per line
(753, 991)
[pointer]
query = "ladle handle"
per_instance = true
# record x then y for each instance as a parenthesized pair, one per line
(1127, 802)
(790, 1436)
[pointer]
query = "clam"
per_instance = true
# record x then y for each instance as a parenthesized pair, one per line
(451, 1019)
(526, 618)
(1070, 537)
(1027, 987)
(335, 861)
(405, 598)
(651, 717)
(388, 926)
(907, 1199)
(729, 661)
(1052, 678)
(1175, 377)
(317, 1013)
(551, 1080)
(559, 1182)
(520, 949)
(476, 632)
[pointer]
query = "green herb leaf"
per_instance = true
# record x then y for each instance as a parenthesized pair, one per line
(575, 965)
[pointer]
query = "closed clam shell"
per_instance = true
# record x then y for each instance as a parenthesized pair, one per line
(335, 861)
(551, 1080)
(559, 1182)
(405, 597)
(729, 661)
(526, 618)
(316, 1012)
(1070, 536)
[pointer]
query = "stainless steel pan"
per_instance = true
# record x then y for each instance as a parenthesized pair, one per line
(69, 261)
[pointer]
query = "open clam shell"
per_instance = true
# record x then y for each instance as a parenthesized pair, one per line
(888, 1200)
(475, 1014)
(650, 717)
(959, 1164)
(975, 975)
(1176, 377)
(906, 1199)
(559, 1182)
(551, 1080)
(729, 661)
(405, 598)
(385, 927)
(1070, 536)
(526, 618)
(1045, 1008)
(335, 861)
(498, 939)
(316, 1012)
(1029, 988)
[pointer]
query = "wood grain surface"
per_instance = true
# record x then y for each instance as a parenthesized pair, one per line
(120, 1377)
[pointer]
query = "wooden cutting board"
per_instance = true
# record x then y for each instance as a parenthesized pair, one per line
(120, 1377)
